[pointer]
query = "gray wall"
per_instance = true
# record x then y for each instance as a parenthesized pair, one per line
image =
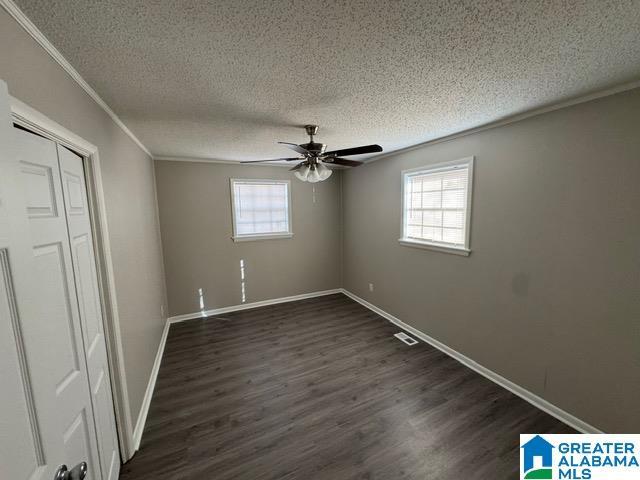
(550, 296)
(36, 79)
(195, 218)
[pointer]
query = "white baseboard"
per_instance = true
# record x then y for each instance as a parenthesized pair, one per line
(146, 401)
(247, 306)
(533, 399)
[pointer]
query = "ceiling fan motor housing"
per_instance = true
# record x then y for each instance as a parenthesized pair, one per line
(315, 148)
(311, 130)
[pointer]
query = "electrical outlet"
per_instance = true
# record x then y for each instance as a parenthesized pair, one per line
(371, 287)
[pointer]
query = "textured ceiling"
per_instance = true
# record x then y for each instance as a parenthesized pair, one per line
(225, 79)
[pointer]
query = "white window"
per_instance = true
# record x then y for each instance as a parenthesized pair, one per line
(436, 208)
(261, 209)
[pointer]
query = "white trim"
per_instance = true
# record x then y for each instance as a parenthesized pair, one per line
(148, 394)
(253, 238)
(19, 16)
(260, 236)
(526, 395)
(248, 306)
(43, 125)
(168, 158)
(512, 119)
(30, 118)
(464, 250)
(410, 242)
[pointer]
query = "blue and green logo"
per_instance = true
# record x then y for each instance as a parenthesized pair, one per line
(537, 459)
(580, 456)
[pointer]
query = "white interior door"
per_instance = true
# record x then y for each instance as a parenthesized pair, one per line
(54, 337)
(55, 401)
(25, 452)
(84, 267)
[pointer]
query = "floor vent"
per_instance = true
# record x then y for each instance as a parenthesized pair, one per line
(406, 338)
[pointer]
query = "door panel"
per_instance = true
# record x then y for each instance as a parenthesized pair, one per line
(106, 428)
(78, 444)
(88, 297)
(54, 291)
(79, 224)
(18, 418)
(39, 191)
(75, 196)
(25, 424)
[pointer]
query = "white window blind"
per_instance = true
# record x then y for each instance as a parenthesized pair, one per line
(261, 209)
(436, 206)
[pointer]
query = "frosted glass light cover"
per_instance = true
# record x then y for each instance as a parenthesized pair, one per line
(323, 172)
(302, 173)
(313, 176)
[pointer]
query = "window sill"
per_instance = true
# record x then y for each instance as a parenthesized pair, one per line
(435, 247)
(253, 238)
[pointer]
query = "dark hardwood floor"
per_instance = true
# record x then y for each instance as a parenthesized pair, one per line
(320, 389)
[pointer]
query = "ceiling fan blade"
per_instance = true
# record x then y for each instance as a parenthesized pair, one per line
(355, 150)
(272, 160)
(295, 147)
(297, 167)
(342, 161)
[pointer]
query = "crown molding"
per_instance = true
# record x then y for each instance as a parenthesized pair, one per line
(19, 16)
(168, 158)
(513, 119)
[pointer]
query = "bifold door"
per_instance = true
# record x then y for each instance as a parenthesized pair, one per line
(56, 402)
(84, 267)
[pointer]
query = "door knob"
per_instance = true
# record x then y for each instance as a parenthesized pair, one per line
(76, 473)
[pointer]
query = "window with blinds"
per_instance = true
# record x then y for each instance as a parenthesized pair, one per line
(436, 205)
(261, 209)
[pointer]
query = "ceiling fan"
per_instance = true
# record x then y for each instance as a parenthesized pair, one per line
(312, 167)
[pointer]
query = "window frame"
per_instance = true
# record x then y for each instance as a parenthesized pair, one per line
(464, 250)
(259, 236)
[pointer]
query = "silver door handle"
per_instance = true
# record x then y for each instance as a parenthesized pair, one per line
(76, 473)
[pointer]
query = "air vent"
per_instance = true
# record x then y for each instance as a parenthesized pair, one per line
(406, 338)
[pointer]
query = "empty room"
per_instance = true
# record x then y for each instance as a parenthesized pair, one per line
(335, 240)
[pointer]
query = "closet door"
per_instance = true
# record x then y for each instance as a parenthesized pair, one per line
(50, 330)
(28, 450)
(86, 282)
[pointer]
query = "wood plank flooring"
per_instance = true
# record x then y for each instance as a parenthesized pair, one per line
(320, 389)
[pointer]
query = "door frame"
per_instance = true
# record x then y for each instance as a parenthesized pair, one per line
(27, 117)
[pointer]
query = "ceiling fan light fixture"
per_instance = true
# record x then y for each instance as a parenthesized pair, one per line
(314, 176)
(323, 172)
(302, 173)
